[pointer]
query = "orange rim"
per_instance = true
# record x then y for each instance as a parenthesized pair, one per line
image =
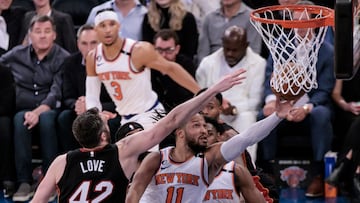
(326, 20)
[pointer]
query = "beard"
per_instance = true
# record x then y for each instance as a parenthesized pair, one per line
(196, 147)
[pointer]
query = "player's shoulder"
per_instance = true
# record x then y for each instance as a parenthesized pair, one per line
(143, 53)
(59, 161)
(143, 46)
(60, 158)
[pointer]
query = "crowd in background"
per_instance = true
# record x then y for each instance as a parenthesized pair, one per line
(44, 45)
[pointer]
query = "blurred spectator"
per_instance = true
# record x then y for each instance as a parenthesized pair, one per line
(245, 99)
(346, 174)
(10, 19)
(233, 12)
(170, 93)
(346, 96)
(7, 109)
(78, 9)
(173, 15)
(73, 90)
(65, 30)
(130, 14)
(200, 8)
(36, 71)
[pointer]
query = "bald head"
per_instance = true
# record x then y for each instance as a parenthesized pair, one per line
(235, 33)
(235, 44)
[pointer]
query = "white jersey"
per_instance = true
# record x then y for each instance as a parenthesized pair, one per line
(222, 189)
(130, 89)
(177, 182)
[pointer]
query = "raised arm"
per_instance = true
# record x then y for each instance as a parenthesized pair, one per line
(143, 177)
(144, 55)
(131, 147)
(93, 83)
(48, 185)
(224, 152)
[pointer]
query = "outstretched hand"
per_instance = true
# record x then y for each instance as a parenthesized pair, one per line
(230, 80)
(283, 107)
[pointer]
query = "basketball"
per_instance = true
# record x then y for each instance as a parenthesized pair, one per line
(287, 83)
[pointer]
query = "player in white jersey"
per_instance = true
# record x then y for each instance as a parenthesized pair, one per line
(173, 177)
(123, 65)
(234, 183)
(223, 189)
(191, 139)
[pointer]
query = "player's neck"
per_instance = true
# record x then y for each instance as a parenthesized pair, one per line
(102, 145)
(181, 153)
(113, 50)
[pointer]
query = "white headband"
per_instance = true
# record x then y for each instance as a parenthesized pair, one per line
(105, 15)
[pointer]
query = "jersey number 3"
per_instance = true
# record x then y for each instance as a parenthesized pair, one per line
(82, 193)
(117, 90)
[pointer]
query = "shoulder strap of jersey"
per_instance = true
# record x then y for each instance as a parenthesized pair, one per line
(128, 46)
(229, 167)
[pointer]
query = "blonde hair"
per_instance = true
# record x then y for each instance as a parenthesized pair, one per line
(177, 13)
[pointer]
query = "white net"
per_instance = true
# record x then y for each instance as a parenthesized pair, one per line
(294, 49)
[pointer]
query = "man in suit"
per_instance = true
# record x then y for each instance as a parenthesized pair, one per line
(12, 18)
(65, 31)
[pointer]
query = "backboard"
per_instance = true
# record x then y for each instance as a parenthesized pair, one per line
(347, 35)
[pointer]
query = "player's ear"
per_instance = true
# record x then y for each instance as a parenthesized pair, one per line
(177, 49)
(179, 132)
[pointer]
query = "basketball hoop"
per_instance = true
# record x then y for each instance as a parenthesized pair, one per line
(293, 35)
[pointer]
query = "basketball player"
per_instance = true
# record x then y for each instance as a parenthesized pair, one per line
(234, 183)
(123, 65)
(99, 171)
(182, 173)
(263, 183)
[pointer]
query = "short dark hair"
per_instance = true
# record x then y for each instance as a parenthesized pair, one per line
(218, 127)
(88, 127)
(167, 34)
(42, 19)
(125, 129)
(83, 28)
